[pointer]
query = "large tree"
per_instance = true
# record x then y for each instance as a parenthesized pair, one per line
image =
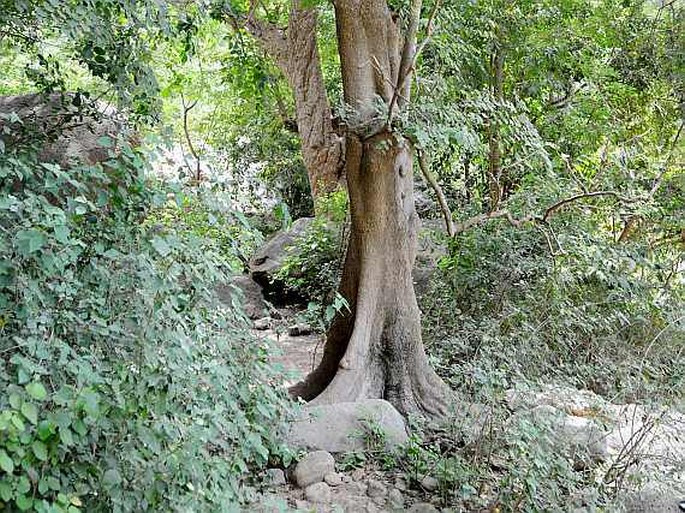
(376, 349)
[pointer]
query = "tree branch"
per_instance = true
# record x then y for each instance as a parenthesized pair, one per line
(410, 53)
(442, 200)
(532, 218)
(186, 109)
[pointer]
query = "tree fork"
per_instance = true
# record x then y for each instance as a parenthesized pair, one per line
(376, 350)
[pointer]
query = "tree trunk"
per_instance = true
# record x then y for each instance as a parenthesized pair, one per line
(376, 351)
(295, 52)
(496, 180)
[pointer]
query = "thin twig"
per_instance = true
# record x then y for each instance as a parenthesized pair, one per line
(186, 109)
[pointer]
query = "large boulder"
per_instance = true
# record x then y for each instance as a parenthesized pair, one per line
(269, 259)
(69, 126)
(581, 439)
(244, 292)
(313, 468)
(347, 426)
(656, 498)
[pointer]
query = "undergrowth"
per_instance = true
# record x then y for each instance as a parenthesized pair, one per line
(123, 385)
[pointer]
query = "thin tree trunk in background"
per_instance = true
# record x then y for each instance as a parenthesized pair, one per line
(295, 52)
(495, 178)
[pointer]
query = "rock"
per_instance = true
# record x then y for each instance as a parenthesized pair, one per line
(275, 477)
(583, 440)
(268, 260)
(370, 508)
(660, 434)
(423, 507)
(313, 468)
(400, 484)
(395, 499)
(270, 503)
(358, 474)
(333, 479)
(340, 427)
(262, 324)
(376, 489)
(356, 488)
(569, 400)
(654, 498)
(318, 493)
(352, 503)
(78, 122)
(429, 483)
(424, 201)
(244, 291)
(300, 330)
(301, 505)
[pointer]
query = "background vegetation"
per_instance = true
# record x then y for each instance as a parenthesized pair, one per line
(127, 386)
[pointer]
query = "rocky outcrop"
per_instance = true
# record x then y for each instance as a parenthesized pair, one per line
(269, 259)
(626, 443)
(69, 127)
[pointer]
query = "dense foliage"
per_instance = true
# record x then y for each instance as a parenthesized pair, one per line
(126, 386)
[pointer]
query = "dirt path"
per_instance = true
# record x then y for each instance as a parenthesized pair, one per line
(298, 355)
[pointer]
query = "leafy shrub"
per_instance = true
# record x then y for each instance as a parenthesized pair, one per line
(206, 215)
(507, 465)
(124, 386)
(599, 316)
(313, 267)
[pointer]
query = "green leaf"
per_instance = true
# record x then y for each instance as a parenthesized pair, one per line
(37, 390)
(45, 429)
(23, 502)
(111, 478)
(15, 401)
(30, 411)
(5, 491)
(62, 233)
(161, 246)
(66, 437)
(6, 462)
(18, 423)
(29, 241)
(40, 450)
